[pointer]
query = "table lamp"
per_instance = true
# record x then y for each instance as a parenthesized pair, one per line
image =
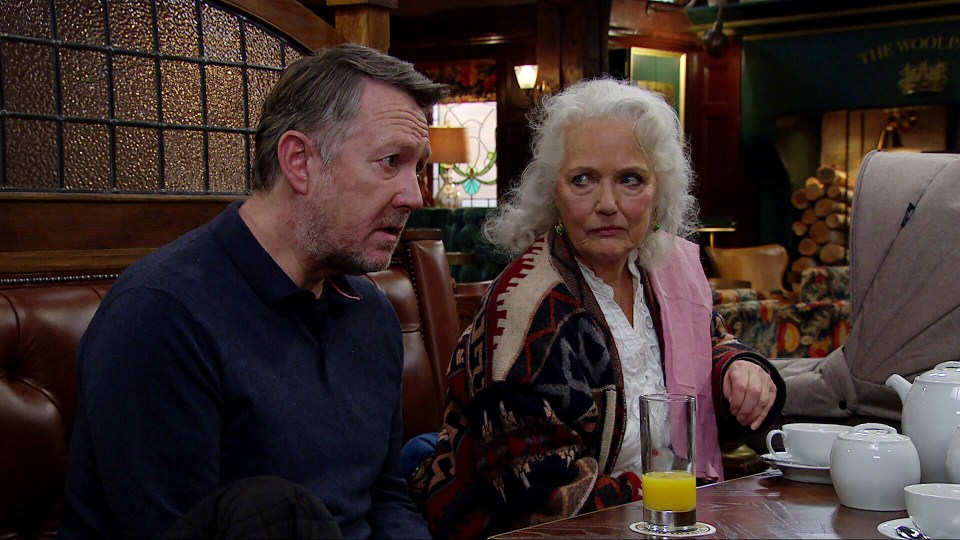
(448, 147)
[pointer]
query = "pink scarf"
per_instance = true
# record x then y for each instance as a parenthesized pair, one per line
(686, 309)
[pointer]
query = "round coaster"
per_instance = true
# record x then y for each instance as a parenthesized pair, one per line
(701, 530)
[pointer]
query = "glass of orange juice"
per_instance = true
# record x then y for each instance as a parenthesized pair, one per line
(668, 445)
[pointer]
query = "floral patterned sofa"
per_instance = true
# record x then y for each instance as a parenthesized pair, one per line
(820, 321)
(750, 318)
(809, 324)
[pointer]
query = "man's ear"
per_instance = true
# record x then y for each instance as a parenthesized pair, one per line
(294, 151)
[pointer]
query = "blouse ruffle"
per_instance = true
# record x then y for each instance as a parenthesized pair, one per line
(639, 351)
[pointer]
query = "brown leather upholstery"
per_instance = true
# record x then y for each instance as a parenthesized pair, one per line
(40, 329)
(763, 266)
(419, 286)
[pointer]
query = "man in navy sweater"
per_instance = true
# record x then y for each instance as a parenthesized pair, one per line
(248, 348)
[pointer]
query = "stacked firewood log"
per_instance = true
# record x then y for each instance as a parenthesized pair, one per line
(823, 205)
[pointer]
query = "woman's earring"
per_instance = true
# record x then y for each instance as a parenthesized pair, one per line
(656, 227)
(559, 227)
(656, 220)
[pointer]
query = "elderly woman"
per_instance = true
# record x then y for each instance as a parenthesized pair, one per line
(605, 303)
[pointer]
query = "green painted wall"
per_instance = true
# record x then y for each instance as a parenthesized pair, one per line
(808, 75)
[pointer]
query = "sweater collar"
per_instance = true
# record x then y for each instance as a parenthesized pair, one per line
(258, 268)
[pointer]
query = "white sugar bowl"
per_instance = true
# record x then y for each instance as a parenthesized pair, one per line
(871, 464)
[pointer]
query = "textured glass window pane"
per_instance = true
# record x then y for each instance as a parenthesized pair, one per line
(80, 21)
(224, 96)
(250, 146)
(262, 48)
(25, 18)
(134, 88)
(131, 24)
(177, 24)
(181, 92)
(221, 35)
(84, 81)
(86, 156)
(227, 166)
(31, 154)
(259, 84)
(138, 162)
(291, 54)
(28, 78)
(183, 160)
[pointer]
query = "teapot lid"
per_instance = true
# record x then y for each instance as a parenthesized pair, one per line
(875, 433)
(944, 372)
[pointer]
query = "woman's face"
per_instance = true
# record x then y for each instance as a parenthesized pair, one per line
(605, 192)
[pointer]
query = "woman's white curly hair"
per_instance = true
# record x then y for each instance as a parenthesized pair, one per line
(532, 209)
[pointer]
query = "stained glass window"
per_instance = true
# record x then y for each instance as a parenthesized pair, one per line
(476, 180)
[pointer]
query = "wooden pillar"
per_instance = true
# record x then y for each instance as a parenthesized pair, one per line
(572, 40)
(366, 22)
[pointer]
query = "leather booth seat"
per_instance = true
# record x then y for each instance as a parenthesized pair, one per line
(419, 286)
(40, 330)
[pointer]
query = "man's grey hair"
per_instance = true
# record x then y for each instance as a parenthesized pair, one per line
(532, 207)
(319, 95)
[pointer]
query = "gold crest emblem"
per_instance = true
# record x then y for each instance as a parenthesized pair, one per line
(924, 78)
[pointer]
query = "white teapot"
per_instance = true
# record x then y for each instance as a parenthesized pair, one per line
(953, 457)
(931, 407)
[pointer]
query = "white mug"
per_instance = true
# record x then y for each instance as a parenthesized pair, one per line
(806, 443)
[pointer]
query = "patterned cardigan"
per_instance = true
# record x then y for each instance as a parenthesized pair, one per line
(535, 410)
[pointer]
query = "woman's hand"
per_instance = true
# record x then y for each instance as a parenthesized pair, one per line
(750, 391)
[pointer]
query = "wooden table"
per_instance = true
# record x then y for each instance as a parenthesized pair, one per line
(763, 505)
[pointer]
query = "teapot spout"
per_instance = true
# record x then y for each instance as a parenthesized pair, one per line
(901, 385)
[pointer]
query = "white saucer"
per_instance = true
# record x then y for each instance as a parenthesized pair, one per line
(799, 472)
(888, 528)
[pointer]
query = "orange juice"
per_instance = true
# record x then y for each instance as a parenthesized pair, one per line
(674, 491)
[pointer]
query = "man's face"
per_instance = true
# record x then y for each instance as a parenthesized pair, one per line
(358, 205)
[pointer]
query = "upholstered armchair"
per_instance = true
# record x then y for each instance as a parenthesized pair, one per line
(762, 266)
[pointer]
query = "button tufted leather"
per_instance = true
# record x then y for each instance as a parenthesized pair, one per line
(40, 329)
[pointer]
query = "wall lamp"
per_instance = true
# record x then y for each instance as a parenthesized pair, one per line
(714, 40)
(897, 122)
(527, 81)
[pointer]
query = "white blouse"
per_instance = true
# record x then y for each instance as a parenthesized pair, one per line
(639, 352)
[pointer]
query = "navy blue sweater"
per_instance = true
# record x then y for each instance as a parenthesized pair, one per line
(206, 364)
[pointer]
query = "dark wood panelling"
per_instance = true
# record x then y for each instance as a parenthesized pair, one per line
(51, 222)
(460, 33)
(293, 19)
(667, 30)
(713, 124)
